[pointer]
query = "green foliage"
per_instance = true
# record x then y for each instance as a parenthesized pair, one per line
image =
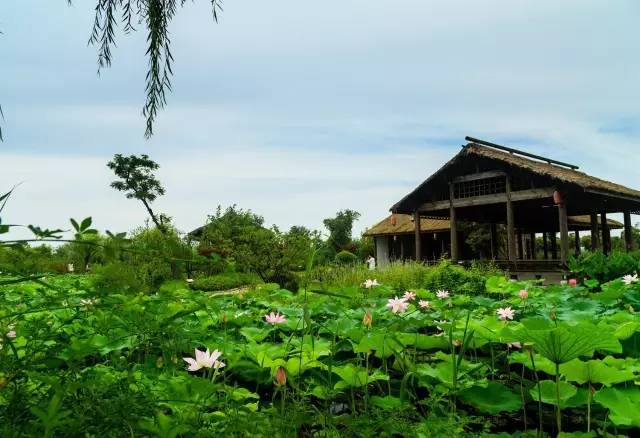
(340, 229)
(116, 278)
(229, 280)
(346, 258)
(604, 268)
(137, 180)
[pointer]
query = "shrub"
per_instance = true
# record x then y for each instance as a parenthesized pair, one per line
(346, 258)
(225, 281)
(116, 278)
(604, 268)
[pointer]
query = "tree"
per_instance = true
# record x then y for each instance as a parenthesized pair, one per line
(340, 229)
(138, 182)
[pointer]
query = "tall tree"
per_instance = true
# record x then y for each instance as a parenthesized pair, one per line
(138, 182)
(340, 228)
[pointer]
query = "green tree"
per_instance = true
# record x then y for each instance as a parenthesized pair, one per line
(137, 180)
(340, 229)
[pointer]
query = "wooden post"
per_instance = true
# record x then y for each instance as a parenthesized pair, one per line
(532, 238)
(453, 226)
(564, 232)
(628, 236)
(416, 222)
(545, 245)
(604, 225)
(511, 231)
(520, 246)
(576, 236)
(554, 245)
(494, 241)
(595, 240)
(402, 247)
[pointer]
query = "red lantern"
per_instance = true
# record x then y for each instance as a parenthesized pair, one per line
(557, 197)
(393, 219)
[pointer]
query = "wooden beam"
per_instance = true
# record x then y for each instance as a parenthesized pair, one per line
(595, 239)
(564, 232)
(521, 254)
(604, 226)
(493, 231)
(479, 175)
(532, 244)
(613, 195)
(628, 235)
(498, 198)
(511, 228)
(418, 237)
(453, 225)
(576, 236)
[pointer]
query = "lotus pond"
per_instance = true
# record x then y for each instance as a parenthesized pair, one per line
(518, 360)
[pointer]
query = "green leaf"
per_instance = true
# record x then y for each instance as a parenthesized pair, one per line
(594, 371)
(548, 392)
(564, 342)
(493, 399)
(622, 404)
(86, 223)
(75, 225)
(387, 403)
(354, 376)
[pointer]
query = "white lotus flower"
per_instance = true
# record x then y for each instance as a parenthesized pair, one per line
(204, 359)
(630, 279)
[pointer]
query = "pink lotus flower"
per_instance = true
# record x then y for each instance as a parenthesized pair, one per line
(275, 318)
(442, 294)
(516, 345)
(424, 304)
(204, 359)
(573, 282)
(505, 313)
(12, 334)
(397, 305)
(630, 279)
(523, 294)
(409, 295)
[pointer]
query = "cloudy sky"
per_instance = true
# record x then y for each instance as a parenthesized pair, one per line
(298, 109)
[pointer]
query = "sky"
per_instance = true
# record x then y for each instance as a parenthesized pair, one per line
(298, 109)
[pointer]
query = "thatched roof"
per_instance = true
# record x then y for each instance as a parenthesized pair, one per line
(405, 225)
(558, 173)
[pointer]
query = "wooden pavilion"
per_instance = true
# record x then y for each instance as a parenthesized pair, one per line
(525, 193)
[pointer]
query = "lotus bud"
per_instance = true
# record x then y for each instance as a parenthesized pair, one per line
(367, 320)
(281, 377)
(225, 319)
(573, 282)
(523, 294)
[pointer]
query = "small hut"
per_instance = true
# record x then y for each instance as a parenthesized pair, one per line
(525, 195)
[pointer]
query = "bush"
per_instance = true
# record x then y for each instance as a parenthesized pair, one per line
(346, 258)
(604, 268)
(225, 281)
(456, 279)
(116, 278)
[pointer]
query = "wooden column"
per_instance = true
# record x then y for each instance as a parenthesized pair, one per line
(520, 246)
(554, 245)
(453, 226)
(532, 245)
(494, 240)
(416, 222)
(545, 245)
(576, 236)
(564, 232)
(604, 226)
(511, 230)
(628, 235)
(595, 239)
